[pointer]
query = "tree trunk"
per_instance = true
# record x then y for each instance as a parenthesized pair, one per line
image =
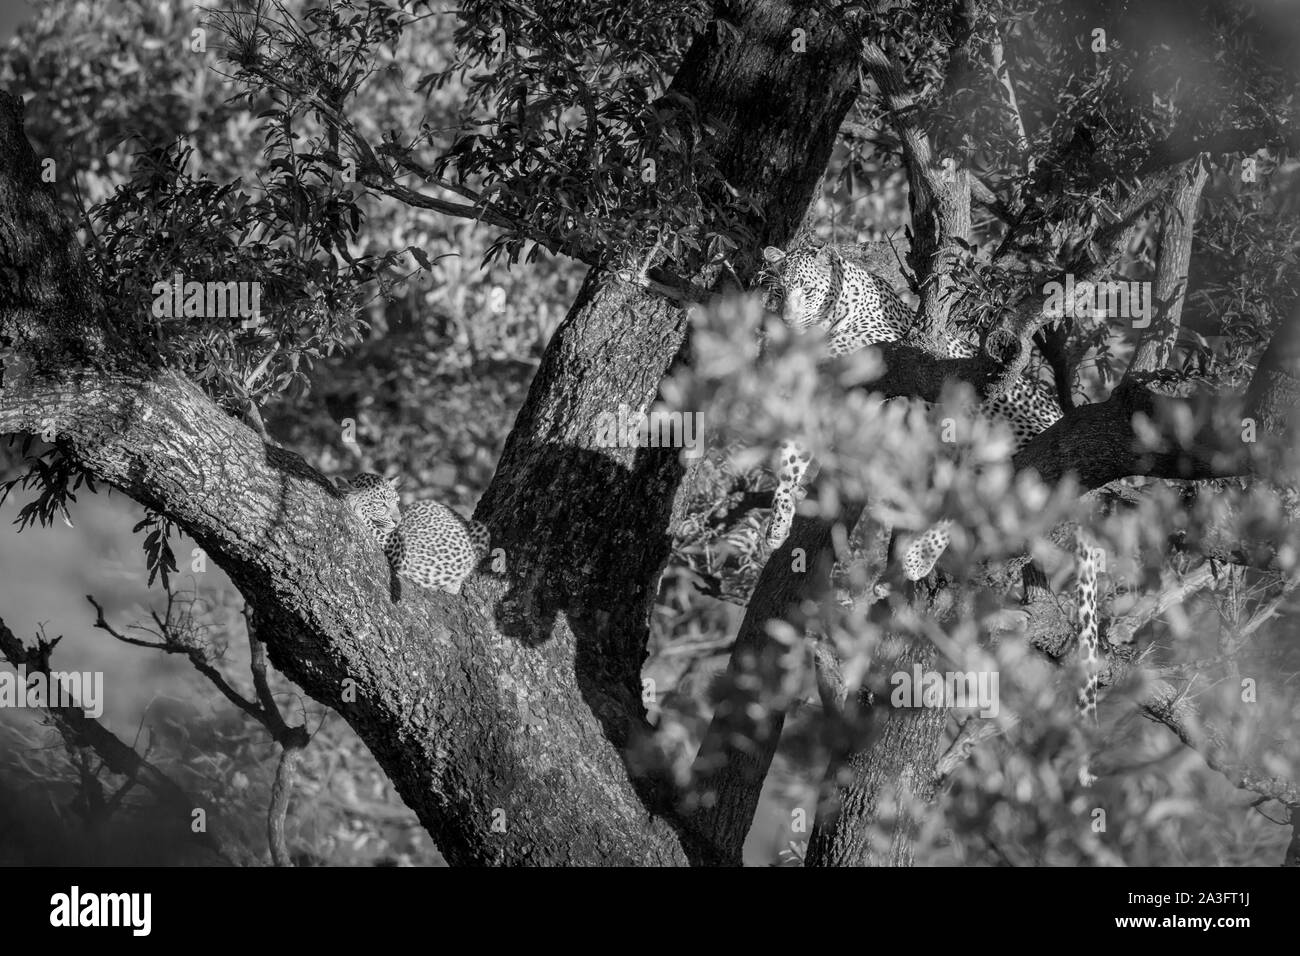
(737, 750)
(1177, 227)
(872, 790)
(585, 528)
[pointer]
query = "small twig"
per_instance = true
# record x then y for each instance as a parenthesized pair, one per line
(1180, 716)
(1122, 629)
(173, 644)
(292, 741)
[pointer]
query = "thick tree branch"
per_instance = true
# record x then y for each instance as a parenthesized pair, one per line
(1014, 116)
(1274, 391)
(1178, 226)
(422, 669)
(938, 200)
(738, 747)
(1099, 443)
(1182, 145)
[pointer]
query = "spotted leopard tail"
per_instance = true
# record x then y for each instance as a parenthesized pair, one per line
(794, 462)
(1089, 642)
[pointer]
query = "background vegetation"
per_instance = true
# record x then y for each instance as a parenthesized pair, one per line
(427, 339)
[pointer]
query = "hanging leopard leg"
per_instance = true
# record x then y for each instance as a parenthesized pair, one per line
(790, 473)
(926, 550)
(1089, 642)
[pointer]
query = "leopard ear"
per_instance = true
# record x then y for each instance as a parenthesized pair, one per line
(394, 482)
(773, 255)
(827, 254)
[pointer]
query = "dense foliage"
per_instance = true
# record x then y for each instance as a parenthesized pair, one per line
(419, 189)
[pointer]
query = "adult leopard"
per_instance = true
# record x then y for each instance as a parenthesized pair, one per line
(818, 288)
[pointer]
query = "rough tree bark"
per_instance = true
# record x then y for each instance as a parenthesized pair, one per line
(511, 704)
(1169, 294)
(880, 783)
(742, 738)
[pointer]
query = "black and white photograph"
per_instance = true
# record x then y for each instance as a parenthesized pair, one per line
(650, 433)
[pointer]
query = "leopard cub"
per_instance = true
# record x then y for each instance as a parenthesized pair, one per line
(429, 544)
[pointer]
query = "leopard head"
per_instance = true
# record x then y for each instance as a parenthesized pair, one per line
(803, 285)
(374, 498)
